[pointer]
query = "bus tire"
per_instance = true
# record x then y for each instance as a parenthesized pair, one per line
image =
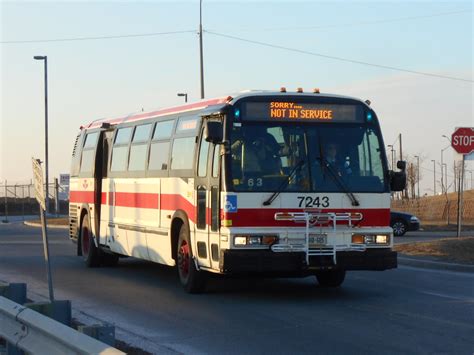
(192, 280)
(109, 259)
(90, 253)
(331, 278)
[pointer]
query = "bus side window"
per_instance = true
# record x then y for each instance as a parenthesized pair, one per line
(160, 146)
(182, 154)
(139, 148)
(120, 150)
(202, 161)
(88, 151)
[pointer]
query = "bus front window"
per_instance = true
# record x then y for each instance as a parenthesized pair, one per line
(263, 157)
(310, 158)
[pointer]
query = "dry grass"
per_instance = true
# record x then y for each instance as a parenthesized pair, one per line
(58, 221)
(458, 250)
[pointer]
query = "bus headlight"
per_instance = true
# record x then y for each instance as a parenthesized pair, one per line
(240, 240)
(370, 239)
(381, 239)
(254, 240)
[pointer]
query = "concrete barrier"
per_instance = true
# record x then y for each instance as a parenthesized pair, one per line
(34, 333)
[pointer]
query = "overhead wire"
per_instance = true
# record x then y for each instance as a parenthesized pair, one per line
(347, 60)
(361, 23)
(98, 37)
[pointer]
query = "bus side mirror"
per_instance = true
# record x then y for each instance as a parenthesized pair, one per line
(213, 131)
(398, 179)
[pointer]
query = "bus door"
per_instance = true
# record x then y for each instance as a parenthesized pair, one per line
(104, 193)
(99, 171)
(207, 205)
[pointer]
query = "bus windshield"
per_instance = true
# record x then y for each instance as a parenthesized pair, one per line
(314, 157)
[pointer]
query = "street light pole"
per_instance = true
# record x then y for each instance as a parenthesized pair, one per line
(418, 173)
(200, 49)
(46, 160)
(434, 177)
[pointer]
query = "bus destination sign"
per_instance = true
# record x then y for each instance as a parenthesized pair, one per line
(289, 111)
(294, 110)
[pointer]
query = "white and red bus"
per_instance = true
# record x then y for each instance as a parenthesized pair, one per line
(267, 183)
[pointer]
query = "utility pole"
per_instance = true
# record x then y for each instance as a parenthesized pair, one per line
(460, 191)
(434, 177)
(200, 49)
(418, 173)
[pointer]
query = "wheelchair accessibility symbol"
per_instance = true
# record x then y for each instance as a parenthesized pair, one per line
(230, 204)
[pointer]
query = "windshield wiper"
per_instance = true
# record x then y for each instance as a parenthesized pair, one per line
(284, 184)
(338, 180)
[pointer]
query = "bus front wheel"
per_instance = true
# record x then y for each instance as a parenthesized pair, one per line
(331, 278)
(192, 280)
(90, 253)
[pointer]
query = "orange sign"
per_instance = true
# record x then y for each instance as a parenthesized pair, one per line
(296, 111)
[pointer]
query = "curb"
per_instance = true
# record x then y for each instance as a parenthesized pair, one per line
(436, 265)
(50, 226)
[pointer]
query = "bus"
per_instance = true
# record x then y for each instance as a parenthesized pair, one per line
(261, 183)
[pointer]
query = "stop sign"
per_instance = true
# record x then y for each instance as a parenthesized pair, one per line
(462, 140)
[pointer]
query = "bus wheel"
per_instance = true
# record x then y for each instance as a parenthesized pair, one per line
(109, 259)
(90, 253)
(331, 278)
(191, 279)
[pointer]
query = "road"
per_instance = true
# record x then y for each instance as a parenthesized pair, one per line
(407, 310)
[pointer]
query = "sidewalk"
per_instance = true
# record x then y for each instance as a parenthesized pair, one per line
(35, 223)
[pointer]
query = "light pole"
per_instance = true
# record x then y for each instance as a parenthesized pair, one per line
(418, 173)
(392, 155)
(46, 160)
(200, 49)
(444, 182)
(434, 177)
(185, 94)
(446, 170)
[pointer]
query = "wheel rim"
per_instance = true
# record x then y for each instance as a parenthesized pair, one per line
(85, 241)
(398, 228)
(183, 259)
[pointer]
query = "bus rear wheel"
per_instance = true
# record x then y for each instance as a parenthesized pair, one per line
(192, 280)
(90, 253)
(331, 278)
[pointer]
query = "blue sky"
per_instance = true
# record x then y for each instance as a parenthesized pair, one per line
(100, 78)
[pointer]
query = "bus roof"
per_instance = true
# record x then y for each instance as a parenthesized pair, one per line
(205, 104)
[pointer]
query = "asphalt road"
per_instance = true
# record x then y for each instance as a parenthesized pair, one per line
(402, 311)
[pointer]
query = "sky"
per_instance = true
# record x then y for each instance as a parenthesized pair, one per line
(304, 44)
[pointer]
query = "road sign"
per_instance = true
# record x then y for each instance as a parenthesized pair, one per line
(38, 183)
(64, 179)
(462, 140)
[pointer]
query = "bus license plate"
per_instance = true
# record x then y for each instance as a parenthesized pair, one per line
(318, 239)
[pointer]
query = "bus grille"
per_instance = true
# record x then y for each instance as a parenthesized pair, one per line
(73, 221)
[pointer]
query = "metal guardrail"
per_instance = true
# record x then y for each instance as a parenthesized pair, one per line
(38, 334)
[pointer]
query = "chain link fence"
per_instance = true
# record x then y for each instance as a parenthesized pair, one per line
(19, 200)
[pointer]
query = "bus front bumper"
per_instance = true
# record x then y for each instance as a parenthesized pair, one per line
(266, 261)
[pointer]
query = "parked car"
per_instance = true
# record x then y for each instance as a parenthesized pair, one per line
(402, 222)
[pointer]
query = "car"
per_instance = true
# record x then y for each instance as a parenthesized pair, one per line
(402, 222)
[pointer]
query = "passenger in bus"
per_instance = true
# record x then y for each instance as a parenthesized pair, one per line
(264, 153)
(336, 160)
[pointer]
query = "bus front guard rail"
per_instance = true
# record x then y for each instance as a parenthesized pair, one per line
(311, 220)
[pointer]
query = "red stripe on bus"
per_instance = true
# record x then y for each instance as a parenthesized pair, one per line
(85, 197)
(82, 197)
(136, 200)
(259, 217)
(177, 202)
